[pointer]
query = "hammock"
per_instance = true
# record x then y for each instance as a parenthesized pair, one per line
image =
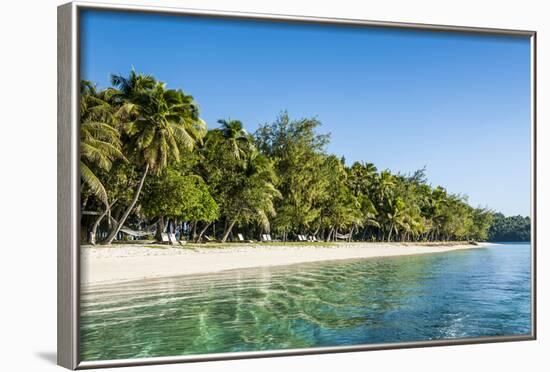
(340, 236)
(131, 232)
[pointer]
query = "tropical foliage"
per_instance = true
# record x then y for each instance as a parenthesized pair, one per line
(100, 143)
(148, 163)
(510, 229)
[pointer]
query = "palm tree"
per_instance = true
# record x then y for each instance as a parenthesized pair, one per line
(368, 212)
(396, 216)
(361, 181)
(132, 85)
(385, 184)
(237, 173)
(256, 193)
(100, 141)
(159, 123)
(236, 138)
(437, 202)
(261, 191)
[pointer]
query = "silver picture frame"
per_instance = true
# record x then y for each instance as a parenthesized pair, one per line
(68, 189)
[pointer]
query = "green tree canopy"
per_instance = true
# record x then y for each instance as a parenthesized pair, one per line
(146, 155)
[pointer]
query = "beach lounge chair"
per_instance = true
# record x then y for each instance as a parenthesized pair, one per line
(269, 239)
(266, 238)
(175, 241)
(165, 239)
(242, 239)
(172, 239)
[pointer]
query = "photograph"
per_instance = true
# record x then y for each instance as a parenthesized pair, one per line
(269, 185)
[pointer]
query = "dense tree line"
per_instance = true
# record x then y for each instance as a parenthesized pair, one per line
(510, 229)
(149, 163)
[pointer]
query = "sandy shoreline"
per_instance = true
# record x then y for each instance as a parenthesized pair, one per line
(132, 262)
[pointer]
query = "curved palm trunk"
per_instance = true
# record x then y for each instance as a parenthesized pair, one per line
(330, 234)
(201, 233)
(93, 231)
(390, 232)
(109, 239)
(316, 232)
(228, 230)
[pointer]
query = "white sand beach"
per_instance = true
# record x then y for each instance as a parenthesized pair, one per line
(131, 262)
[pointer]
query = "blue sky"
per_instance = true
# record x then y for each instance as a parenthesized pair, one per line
(458, 104)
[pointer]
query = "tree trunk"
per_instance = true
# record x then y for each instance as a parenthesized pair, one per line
(199, 238)
(160, 229)
(109, 239)
(315, 233)
(228, 230)
(93, 231)
(351, 233)
(330, 234)
(83, 207)
(389, 233)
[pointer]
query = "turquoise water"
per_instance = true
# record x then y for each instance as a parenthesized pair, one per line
(471, 293)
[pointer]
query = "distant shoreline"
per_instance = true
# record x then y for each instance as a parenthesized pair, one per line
(104, 265)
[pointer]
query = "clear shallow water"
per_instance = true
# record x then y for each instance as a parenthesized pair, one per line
(472, 293)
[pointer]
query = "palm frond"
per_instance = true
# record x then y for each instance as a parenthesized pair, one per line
(93, 183)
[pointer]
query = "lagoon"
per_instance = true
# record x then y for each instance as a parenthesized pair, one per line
(457, 294)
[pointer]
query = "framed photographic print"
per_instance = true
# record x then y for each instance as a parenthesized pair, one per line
(235, 185)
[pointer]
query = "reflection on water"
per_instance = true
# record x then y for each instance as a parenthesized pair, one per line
(481, 292)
